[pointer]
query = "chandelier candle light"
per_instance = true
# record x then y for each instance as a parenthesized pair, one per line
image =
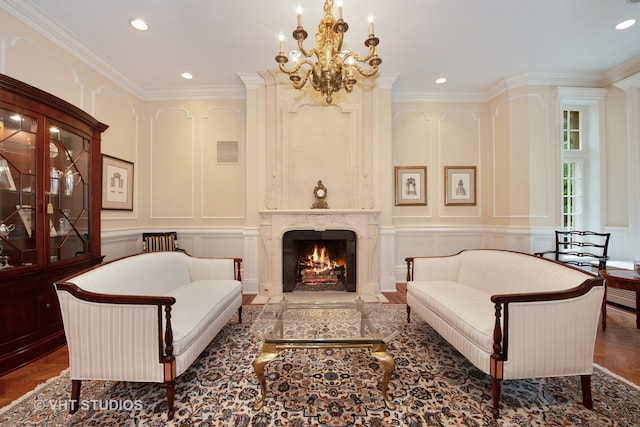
(334, 67)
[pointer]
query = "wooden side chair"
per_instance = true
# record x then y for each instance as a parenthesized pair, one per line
(161, 242)
(580, 248)
(583, 249)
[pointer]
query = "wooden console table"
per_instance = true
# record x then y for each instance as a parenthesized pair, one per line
(621, 279)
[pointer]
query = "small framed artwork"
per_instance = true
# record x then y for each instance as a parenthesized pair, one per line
(460, 185)
(411, 185)
(6, 179)
(117, 183)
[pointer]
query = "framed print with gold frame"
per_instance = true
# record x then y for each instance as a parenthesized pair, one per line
(411, 185)
(117, 183)
(460, 185)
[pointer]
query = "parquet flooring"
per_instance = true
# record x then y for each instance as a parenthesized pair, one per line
(617, 349)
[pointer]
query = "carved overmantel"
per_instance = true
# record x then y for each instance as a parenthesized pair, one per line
(274, 223)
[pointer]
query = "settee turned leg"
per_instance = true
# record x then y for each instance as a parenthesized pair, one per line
(495, 395)
(75, 395)
(240, 315)
(408, 314)
(587, 401)
(171, 393)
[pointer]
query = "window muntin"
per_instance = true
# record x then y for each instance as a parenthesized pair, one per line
(572, 194)
(573, 170)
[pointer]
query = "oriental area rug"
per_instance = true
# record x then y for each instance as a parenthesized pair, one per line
(433, 385)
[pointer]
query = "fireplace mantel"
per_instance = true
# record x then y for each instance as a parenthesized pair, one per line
(274, 223)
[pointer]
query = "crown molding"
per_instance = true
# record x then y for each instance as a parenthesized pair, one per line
(623, 72)
(251, 80)
(202, 92)
(386, 80)
(504, 85)
(408, 96)
(28, 12)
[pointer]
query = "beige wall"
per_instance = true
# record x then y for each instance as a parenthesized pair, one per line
(618, 156)
(510, 140)
(185, 184)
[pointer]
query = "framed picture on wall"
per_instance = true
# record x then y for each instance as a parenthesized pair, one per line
(460, 185)
(117, 183)
(411, 185)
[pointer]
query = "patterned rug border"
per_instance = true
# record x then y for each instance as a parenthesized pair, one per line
(36, 390)
(617, 376)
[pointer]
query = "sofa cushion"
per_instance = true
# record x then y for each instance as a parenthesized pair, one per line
(195, 309)
(145, 274)
(467, 310)
(504, 272)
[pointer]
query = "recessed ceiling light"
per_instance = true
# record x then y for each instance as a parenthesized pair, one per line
(187, 76)
(441, 80)
(139, 24)
(625, 24)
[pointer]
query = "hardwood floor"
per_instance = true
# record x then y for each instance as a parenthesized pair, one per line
(617, 349)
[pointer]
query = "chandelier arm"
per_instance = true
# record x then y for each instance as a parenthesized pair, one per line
(370, 54)
(372, 71)
(303, 80)
(303, 51)
(294, 70)
(340, 39)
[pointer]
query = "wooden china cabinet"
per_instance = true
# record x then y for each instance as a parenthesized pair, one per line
(49, 214)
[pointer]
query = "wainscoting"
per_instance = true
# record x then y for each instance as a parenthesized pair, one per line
(394, 244)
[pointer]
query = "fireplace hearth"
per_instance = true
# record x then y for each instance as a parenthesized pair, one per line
(319, 260)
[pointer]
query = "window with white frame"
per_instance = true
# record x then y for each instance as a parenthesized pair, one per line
(574, 161)
(582, 132)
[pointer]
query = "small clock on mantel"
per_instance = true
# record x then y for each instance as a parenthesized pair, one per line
(320, 193)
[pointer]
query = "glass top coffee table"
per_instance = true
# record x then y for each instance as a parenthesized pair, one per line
(350, 322)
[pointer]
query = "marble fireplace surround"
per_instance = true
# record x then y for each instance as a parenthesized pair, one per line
(274, 223)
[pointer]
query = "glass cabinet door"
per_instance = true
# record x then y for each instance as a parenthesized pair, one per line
(18, 136)
(69, 204)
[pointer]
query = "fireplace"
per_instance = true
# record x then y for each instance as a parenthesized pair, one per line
(319, 260)
(277, 223)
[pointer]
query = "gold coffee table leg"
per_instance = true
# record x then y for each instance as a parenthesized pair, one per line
(380, 353)
(268, 354)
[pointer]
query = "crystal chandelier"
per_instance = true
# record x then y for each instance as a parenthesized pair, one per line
(333, 68)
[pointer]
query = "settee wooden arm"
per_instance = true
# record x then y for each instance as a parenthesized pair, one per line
(237, 265)
(543, 253)
(502, 301)
(165, 344)
(409, 261)
(501, 333)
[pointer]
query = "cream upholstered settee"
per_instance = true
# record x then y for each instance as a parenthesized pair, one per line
(146, 317)
(512, 315)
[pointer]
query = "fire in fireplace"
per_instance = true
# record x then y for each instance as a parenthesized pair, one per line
(319, 269)
(319, 260)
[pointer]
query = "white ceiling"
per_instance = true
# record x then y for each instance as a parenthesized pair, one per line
(476, 44)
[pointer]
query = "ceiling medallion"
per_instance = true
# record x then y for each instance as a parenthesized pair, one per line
(334, 67)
